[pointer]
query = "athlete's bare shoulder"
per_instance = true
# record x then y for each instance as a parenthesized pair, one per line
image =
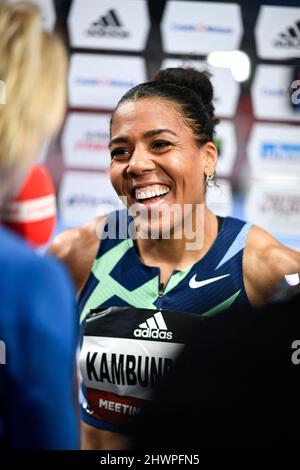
(77, 248)
(266, 262)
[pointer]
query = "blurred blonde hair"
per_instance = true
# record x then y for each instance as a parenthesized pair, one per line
(33, 67)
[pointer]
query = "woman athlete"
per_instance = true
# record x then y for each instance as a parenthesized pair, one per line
(138, 291)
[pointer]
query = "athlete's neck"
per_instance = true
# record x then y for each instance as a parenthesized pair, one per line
(179, 253)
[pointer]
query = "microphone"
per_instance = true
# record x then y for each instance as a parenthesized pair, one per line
(32, 212)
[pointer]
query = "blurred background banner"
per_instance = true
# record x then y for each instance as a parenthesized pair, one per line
(274, 150)
(253, 53)
(201, 27)
(85, 141)
(277, 32)
(271, 93)
(275, 206)
(120, 25)
(80, 199)
(99, 81)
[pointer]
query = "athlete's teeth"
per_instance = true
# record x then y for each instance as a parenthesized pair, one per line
(151, 193)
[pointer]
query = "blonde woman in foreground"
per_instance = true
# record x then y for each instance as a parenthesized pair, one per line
(38, 331)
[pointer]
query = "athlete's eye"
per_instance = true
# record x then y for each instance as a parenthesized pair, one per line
(160, 144)
(120, 153)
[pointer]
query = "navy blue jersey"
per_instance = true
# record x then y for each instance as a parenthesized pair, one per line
(133, 329)
(38, 337)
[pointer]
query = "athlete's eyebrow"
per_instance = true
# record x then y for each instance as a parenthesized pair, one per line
(154, 132)
(122, 139)
(119, 140)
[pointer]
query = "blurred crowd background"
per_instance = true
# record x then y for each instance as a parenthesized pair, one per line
(253, 52)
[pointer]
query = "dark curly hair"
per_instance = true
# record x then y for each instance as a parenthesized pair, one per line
(190, 91)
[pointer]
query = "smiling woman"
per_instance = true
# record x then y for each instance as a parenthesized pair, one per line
(167, 155)
(139, 292)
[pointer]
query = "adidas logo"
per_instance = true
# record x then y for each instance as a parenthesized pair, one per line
(289, 39)
(108, 25)
(155, 327)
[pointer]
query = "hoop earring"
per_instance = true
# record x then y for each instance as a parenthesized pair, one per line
(210, 180)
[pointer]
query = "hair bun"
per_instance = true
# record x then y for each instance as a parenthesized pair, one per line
(198, 81)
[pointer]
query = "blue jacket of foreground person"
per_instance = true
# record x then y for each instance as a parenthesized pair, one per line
(38, 339)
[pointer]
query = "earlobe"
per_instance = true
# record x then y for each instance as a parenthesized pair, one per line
(211, 155)
(210, 180)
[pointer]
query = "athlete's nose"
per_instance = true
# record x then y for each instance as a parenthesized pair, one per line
(139, 163)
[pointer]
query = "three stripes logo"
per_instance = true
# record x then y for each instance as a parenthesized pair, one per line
(153, 328)
(108, 25)
(290, 38)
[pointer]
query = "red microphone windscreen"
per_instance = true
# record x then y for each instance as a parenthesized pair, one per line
(32, 213)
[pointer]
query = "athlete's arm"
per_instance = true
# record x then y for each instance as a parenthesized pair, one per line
(101, 439)
(266, 262)
(77, 248)
(42, 407)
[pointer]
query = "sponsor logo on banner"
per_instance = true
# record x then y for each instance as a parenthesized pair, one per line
(95, 81)
(104, 82)
(290, 39)
(85, 195)
(219, 198)
(109, 24)
(201, 27)
(280, 151)
(271, 93)
(277, 32)
(85, 141)
(275, 205)
(47, 10)
(225, 102)
(274, 149)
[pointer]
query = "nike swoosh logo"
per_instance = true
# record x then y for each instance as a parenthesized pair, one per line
(196, 284)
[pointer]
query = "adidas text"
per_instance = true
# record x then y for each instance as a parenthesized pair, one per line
(155, 334)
